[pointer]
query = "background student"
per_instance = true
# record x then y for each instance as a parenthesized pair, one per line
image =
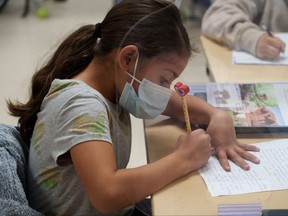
(77, 118)
(238, 25)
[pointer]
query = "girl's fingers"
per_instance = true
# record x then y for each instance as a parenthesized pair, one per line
(222, 157)
(247, 147)
(238, 155)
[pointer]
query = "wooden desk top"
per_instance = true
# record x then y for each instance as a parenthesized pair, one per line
(189, 195)
(219, 60)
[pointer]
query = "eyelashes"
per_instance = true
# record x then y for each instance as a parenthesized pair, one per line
(164, 81)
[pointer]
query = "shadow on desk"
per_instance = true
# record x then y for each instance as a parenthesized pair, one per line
(154, 134)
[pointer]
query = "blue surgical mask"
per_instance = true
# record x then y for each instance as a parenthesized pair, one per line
(152, 99)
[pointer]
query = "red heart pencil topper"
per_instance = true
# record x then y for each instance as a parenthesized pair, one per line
(181, 89)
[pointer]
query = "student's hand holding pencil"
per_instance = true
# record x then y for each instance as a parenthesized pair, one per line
(193, 150)
(269, 47)
(194, 147)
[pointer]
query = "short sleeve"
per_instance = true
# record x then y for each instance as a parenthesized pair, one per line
(83, 117)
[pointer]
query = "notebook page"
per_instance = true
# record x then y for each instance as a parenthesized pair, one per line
(271, 174)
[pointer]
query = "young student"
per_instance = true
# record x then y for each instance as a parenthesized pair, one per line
(248, 25)
(77, 118)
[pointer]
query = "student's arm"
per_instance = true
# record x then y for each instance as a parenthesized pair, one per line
(231, 23)
(110, 189)
(220, 128)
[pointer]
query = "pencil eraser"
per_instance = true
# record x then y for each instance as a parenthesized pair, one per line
(181, 88)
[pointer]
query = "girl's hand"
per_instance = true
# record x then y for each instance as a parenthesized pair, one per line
(193, 149)
(222, 132)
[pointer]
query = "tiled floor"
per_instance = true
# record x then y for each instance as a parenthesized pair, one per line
(25, 43)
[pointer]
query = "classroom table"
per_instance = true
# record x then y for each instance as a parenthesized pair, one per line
(189, 195)
(221, 69)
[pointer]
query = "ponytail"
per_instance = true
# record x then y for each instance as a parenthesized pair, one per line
(71, 57)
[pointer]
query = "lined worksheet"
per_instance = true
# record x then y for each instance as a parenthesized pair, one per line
(271, 174)
(240, 57)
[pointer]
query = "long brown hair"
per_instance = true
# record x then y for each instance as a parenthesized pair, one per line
(154, 26)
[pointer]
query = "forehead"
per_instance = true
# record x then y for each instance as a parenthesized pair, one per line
(172, 63)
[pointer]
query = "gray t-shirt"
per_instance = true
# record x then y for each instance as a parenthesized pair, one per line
(72, 113)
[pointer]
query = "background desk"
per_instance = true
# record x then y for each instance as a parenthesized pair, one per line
(221, 68)
(189, 195)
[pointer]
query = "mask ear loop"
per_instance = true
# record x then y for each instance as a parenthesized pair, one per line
(134, 72)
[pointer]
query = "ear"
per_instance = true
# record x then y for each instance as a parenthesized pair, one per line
(127, 57)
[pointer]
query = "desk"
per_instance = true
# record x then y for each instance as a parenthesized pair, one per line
(221, 68)
(189, 195)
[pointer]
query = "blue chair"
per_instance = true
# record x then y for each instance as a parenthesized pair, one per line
(2, 4)
(13, 163)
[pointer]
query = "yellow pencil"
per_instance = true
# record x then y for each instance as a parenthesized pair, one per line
(182, 90)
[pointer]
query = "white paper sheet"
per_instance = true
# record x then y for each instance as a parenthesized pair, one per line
(240, 57)
(271, 174)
